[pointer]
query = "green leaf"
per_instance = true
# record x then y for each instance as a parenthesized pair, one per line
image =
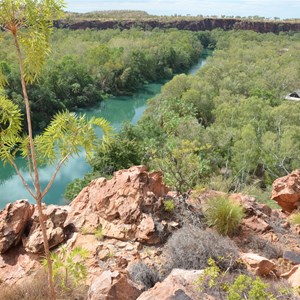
(67, 134)
(31, 21)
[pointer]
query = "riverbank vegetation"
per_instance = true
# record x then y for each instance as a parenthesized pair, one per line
(86, 65)
(228, 127)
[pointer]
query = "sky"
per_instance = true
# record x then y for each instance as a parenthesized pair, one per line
(265, 8)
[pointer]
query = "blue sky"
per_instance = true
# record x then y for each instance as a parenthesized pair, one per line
(266, 8)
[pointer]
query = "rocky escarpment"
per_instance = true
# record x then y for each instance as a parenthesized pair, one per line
(192, 24)
(124, 207)
(122, 222)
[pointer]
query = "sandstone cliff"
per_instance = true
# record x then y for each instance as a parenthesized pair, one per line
(193, 24)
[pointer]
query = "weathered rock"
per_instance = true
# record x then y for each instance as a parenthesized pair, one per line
(55, 216)
(113, 285)
(293, 276)
(261, 265)
(291, 256)
(180, 284)
(248, 202)
(251, 206)
(121, 206)
(256, 224)
(16, 264)
(13, 221)
(286, 191)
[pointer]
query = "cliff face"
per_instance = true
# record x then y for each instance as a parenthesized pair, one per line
(193, 25)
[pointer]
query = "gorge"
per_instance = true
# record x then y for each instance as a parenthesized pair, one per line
(116, 110)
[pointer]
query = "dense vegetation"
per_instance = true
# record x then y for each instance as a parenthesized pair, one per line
(87, 65)
(227, 127)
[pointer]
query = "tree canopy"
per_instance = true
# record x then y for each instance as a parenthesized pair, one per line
(233, 109)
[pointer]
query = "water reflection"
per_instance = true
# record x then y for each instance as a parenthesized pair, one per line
(116, 110)
(125, 108)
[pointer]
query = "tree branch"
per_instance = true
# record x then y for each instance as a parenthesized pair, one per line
(22, 178)
(59, 165)
(30, 169)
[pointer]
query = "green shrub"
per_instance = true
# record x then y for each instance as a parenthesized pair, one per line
(182, 162)
(169, 205)
(223, 285)
(99, 232)
(245, 287)
(122, 153)
(220, 183)
(68, 266)
(295, 218)
(223, 214)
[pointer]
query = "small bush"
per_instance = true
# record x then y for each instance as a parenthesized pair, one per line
(140, 273)
(182, 163)
(68, 266)
(99, 233)
(295, 218)
(245, 287)
(169, 205)
(191, 247)
(223, 214)
(220, 183)
(241, 286)
(263, 247)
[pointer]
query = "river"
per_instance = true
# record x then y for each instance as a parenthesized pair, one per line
(116, 110)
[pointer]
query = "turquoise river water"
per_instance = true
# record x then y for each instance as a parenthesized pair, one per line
(116, 110)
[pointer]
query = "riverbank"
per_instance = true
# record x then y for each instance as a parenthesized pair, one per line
(116, 110)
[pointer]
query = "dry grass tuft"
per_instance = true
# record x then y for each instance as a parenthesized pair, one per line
(35, 287)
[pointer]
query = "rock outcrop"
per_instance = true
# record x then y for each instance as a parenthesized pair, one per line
(16, 264)
(293, 276)
(120, 207)
(13, 222)
(261, 265)
(286, 191)
(120, 221)
(113, 285)
(180, 284)
(55, 216)
(192, 24)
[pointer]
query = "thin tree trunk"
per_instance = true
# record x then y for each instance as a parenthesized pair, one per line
(42, 220)
(37, 185)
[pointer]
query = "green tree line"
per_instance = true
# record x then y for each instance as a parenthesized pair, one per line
(230, 121)
(86, 65)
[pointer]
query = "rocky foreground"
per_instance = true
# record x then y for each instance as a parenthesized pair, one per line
(123, 222)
